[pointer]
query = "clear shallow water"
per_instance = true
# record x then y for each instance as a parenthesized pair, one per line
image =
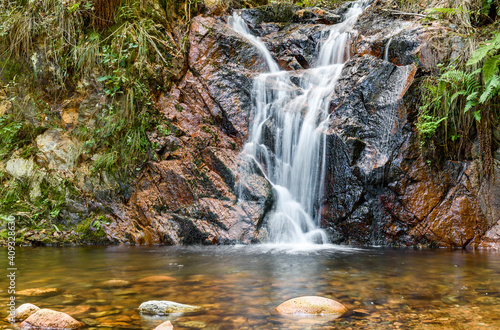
(241, 285)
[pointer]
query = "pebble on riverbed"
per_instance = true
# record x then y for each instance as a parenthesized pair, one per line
(165, 326)
(312, 305)
(49, 319)
(23, 312)
(163, 307)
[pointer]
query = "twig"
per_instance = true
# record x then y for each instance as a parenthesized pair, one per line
(403, 13)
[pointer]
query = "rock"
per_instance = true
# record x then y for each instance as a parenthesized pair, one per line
(167, 325)
(379, 189)
(23, 312)
(49, 319)
(20, 168)
(57, 151)
(76, 310)
(410, 40)
(39, 292)
(115, 283)
(316, 16)
(163, 307)
(311, 305)
(193, 324)
(157, 278)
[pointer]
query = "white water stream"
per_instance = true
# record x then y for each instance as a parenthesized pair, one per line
(296, 115)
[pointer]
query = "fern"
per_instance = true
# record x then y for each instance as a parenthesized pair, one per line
(471, 101)
(440, 11)
(488, 48)
(490, 68)
(492, 89)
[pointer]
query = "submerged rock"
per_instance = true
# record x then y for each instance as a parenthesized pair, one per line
(167, 325)
(39, 292)
(49, 319)
(115, 283)
(311, 305)
(163, 307)
(23, 312)
(158, 278)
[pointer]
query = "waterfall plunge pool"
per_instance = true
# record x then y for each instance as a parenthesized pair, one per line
(239, 286)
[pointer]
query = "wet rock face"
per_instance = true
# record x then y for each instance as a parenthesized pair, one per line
(191, 196)
(404, 40)
(378, 190)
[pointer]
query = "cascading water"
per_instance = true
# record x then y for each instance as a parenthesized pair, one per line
(386, 52)
(294, 164)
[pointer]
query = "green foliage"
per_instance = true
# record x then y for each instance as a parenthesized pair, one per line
(442, 12)
(460, 97)
(35, 212)
(488, 5)
(15, 135)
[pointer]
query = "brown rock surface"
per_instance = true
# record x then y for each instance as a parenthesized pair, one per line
(191, 194)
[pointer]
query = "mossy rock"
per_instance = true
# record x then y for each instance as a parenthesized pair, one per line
(91, 231)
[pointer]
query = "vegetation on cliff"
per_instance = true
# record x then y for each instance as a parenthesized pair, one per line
(461, 102)
(90, 69)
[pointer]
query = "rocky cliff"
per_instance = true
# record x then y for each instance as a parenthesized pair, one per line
(379, 189)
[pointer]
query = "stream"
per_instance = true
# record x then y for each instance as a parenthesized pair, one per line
(239, 286)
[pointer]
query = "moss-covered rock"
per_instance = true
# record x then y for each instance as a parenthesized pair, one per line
(91, 231)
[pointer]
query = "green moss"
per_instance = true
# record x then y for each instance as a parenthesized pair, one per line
(10, 69)
(91, 230)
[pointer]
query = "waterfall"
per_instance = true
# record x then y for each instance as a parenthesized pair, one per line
(386, 52)
(295, 114)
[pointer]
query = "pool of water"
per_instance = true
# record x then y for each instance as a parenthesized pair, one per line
(239, 286)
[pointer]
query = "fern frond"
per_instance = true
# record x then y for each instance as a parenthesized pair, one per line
(471, 101)
(491, 89)
(453, 76)
(481, 52)
(457, 94)
(490, 68)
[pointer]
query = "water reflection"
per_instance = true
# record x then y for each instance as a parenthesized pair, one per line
(241, 285)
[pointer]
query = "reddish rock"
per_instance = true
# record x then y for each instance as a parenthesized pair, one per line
(167, 325)
(49, 319)
(456, 222)
(311, 305)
